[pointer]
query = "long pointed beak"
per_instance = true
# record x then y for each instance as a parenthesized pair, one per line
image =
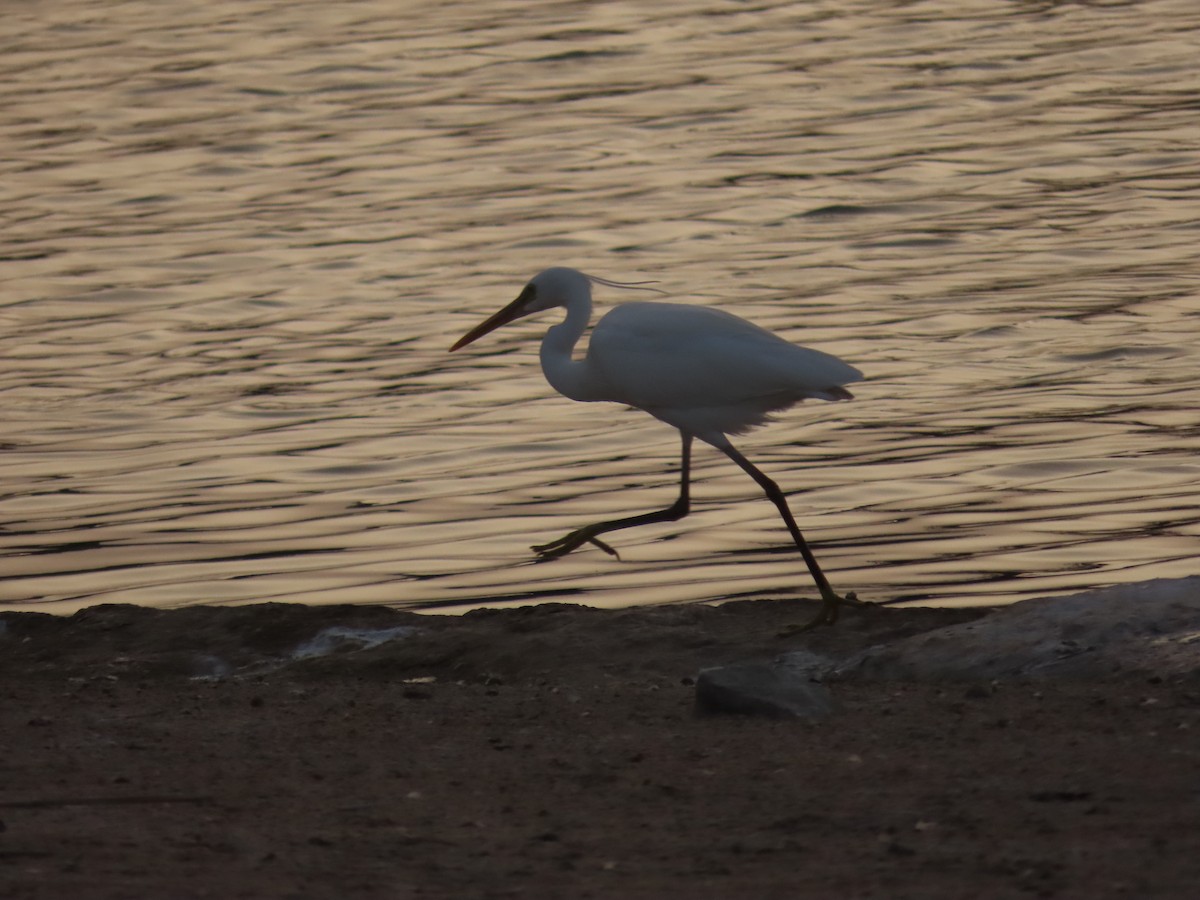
(513, 311)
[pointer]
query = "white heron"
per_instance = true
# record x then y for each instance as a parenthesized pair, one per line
(706, 372)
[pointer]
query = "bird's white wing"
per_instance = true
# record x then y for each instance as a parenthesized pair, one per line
(669, 356)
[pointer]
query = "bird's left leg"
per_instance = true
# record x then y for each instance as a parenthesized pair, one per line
(589, 534)
(830, 601)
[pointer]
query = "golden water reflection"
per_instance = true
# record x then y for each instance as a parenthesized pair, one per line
(239, 237)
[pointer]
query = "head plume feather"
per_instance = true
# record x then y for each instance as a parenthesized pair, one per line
(626, 285)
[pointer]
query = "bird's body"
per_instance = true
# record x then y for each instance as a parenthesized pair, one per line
(704, 371)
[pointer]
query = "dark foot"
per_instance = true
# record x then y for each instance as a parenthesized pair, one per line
(569, 542)
(828, 614)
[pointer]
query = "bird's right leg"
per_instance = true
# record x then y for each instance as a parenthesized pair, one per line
(589, 534)
(830, 601)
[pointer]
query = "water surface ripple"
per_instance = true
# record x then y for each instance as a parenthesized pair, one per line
(238, 238)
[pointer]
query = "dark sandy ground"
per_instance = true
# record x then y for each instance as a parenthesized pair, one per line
(554, 751)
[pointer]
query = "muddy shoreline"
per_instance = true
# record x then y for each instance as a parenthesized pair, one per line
(555, 751)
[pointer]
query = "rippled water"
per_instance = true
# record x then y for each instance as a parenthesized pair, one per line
(239, 237)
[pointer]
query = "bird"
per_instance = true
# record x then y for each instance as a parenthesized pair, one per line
(707, 372)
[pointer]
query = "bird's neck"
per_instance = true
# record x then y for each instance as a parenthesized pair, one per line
(566, 375)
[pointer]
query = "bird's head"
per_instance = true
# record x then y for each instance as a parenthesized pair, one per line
(549, 288)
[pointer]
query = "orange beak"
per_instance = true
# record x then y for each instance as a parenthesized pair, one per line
(510, 313)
